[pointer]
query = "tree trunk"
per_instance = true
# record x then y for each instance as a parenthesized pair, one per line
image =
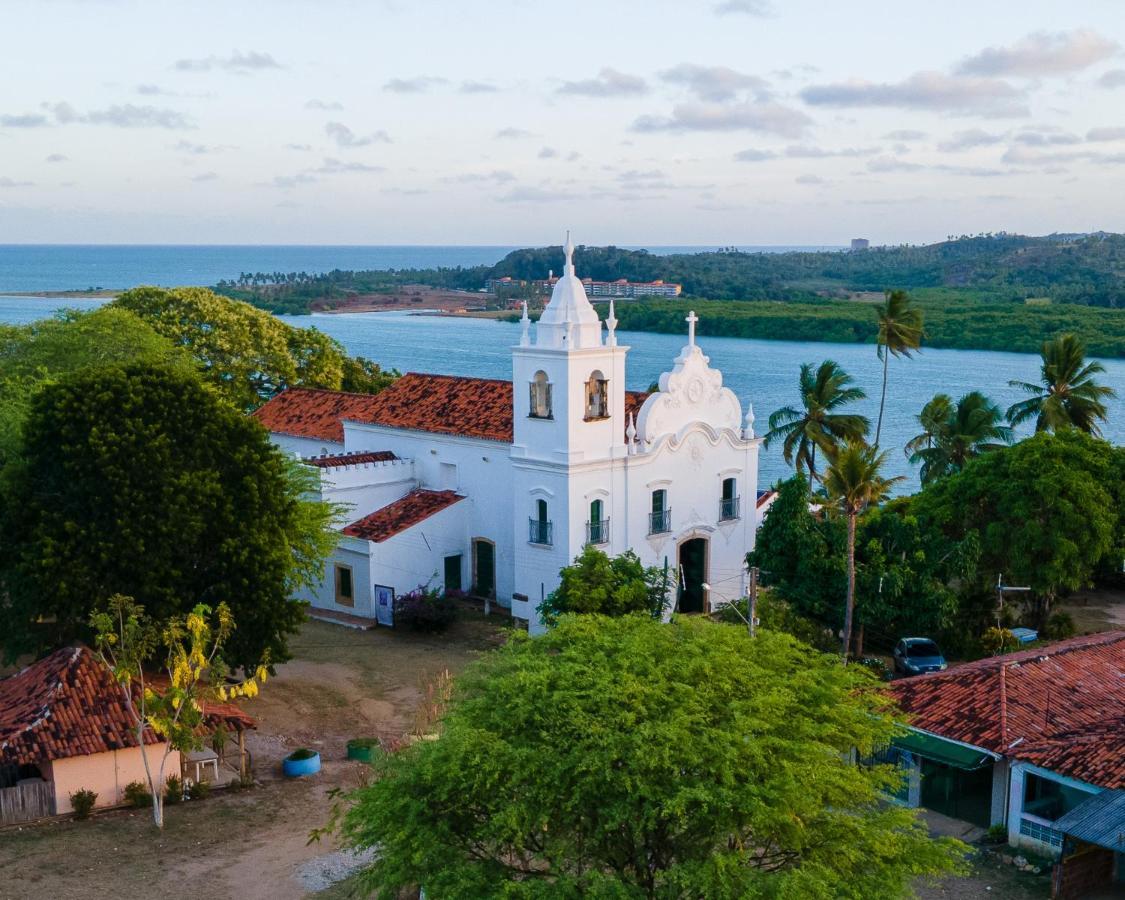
(883, 397)
(859, 642)
(850, 607)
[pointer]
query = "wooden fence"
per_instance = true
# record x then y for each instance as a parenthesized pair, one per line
(27, 802)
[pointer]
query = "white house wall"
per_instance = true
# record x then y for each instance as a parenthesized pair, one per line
(305, 447)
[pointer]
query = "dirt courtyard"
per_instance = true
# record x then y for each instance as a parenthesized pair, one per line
(342, 683)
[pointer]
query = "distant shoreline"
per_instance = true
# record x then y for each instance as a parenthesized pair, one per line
(105, 294)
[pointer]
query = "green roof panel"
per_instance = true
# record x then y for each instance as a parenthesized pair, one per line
(942, 751)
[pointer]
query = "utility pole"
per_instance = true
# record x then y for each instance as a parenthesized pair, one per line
(752, 602)
(1000, 588)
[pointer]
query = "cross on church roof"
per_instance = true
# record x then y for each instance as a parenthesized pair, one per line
(691, 319)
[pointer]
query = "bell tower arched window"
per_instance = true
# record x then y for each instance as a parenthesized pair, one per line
(540, 402)
(597, 396)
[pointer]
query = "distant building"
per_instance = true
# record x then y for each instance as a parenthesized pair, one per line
(860, 243)
(622, 287)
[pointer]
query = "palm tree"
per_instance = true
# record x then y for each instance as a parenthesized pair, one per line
(1067, 395)
(817, 422)
(900, 332)
(933, 418)
(970, 428)
(854, 481)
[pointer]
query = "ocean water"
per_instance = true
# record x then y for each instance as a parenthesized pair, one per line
(763, 373)
(77, 267)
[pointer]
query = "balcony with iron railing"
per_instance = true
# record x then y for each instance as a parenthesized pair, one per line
(597, 532)
(660, 521)
(539, 532)
(728, 509)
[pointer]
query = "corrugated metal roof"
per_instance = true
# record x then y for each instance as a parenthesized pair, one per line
(1099, 820)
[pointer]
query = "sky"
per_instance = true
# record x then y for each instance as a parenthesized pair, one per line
(632, 122)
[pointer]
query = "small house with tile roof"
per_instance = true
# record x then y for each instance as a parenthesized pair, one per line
(1018, 740)
(65, 726)
(491, 486)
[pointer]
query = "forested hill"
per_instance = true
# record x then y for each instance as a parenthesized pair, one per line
(1086, 269)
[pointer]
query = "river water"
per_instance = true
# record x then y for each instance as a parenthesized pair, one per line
(761, 372)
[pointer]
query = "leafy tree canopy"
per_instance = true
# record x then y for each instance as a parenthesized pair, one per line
(627, 758)
(248, 353)
(1046, 511)
(142, 481)
(45, 350)
(597, 583)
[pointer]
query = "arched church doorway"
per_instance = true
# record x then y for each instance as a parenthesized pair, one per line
(692, 595)
(484, 568)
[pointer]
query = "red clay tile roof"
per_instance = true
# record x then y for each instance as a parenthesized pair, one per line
(68, 704)
(402, 514)
(444, 404)
(305, 412)
(1056, 702)
(351, 459)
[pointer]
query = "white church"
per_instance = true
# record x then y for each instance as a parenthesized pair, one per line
(492, 486)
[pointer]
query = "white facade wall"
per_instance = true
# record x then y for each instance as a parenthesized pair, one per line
(305, 447)
(365, 487)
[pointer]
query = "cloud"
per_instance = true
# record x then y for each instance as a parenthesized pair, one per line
(744, 7)
(23, 120)
(477, 87)
(285, 182)
(195, 149)
(1025, 156)
(548, 153)
(1096, 135)
(153, 90)
(768, 118)
(805, 151)
(533, 195)
(1042, 53)
(345, 137)
(933, 91)
(513, 133)
(332, 166)
(753, 155)
(406, 192)
(125, 115)
(237, 62)
(1114, 78)
(714, 83)
(6, 182)
(967, 140)
(809, 179)
(609, 83)
(328, 105)
(973, 171)
(1046, 136)
(300, 147)
(497, 176)
(891, 164)
(905, 134)
(417, 85)
(57, 158)
(205, 176)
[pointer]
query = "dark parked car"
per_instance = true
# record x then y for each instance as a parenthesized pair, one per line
(916, 655)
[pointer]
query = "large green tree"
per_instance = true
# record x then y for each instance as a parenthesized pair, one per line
(819, 422)
(854, 481)
(970, 427)
(625, 758)
(248, 353)
(613, 586)
(900, 334)
(142, 481)
(1046, 511)
(1067, 395)
(42, 351)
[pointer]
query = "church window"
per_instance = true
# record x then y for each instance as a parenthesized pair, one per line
(597, 529)
(540, 396)
(345, 595)
(728, 505)
(597, 397)
(539, 526)
(660, 519)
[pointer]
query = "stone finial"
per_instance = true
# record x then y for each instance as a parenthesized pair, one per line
(525, 325)
(611, 326)
(691, 319)
(631, 435)
(748, 422)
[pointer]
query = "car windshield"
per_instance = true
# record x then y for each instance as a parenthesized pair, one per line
(923, 648)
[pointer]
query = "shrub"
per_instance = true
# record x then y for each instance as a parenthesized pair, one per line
(999, 640)
(424, 609)
(876, 665)
(301, 753)
(173, 790)
(199, 790)
(83, 801)
(1059, 627)
(136, 794)
(997, 834)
